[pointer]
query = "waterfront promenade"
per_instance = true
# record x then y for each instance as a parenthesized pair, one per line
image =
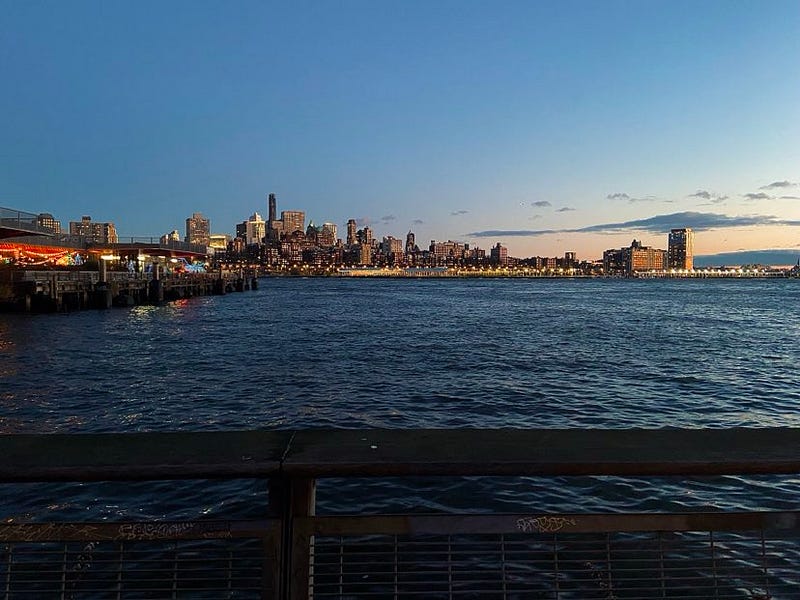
(295, 553)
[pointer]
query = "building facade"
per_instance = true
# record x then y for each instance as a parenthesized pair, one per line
(293, 220)
(680, 252)
(94, 231)
(634, 259)
(49, 222)
(198, 230)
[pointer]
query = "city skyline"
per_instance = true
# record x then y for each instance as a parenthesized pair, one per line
(549, 128)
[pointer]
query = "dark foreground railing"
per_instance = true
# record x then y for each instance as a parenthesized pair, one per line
(297, 554)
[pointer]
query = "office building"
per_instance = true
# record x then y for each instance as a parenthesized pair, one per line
(93, 231)
(680, 253)
(198, 230)
(499, 255)
(634, 259)
(293, 220)
(255, 229)
(272, 215)
(351, 232)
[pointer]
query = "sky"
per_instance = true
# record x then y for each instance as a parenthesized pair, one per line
(547, 126)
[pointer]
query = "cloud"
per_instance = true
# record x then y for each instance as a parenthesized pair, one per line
(534, 217)
(631, 199)
(565, 209)
(790, 198)
(757, 196)
(388, 218)
(657, 224)
(541, 203)
(777, 184)
(417, 222)
(646, 199)
(457, 213)
(618, 196)
(701, 194)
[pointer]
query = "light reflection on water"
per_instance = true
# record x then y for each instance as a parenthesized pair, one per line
(396, 353)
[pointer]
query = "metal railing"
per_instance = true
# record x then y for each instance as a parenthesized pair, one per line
(295, 553)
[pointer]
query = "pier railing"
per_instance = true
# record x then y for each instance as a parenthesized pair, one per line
(294, 553)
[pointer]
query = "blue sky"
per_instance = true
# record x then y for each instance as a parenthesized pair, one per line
(547, 126)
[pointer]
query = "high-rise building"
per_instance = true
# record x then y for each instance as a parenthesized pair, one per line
(93, 231)
(351, 232)
(680, 253)
(411, 242)
(256, 229)
(327, 235)
(198, 230)
(272, 215)
(364, 236)
(47, 221)
(171, 237)
(499, 255)
(293, 220)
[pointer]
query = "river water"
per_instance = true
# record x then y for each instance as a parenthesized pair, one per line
(400, 353)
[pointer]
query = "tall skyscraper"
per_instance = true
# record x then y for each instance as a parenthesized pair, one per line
(351, 232)
(273, 208)
(198, 230)
(680, 253)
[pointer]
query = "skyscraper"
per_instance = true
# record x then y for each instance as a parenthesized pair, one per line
(198, 229)
(273, 208)
(680, 253)
(410, 242)
(351, 232)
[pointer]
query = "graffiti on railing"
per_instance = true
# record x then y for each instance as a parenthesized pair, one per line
(156, 531)
(45, 532)
(544, 524)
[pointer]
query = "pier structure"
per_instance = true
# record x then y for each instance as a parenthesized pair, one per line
(292, 552)
(66, 291)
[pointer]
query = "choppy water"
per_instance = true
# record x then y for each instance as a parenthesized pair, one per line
(413, 353)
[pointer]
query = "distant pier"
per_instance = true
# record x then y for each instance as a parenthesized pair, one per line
(67, 291)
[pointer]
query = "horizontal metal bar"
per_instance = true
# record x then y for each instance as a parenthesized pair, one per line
(382, 452)
(137, 531)
(562, 524)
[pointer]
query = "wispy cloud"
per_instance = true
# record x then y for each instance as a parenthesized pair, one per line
(457, 213)
(618, 196)
(633, 199)
(757, 196)
(710, 196)
(417, 222)
(790, 198)
(777, 185)
(541, 203)
(565, 209)
(388, 218)
(657, 224)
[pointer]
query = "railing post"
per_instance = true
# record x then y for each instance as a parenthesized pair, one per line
(288, 499)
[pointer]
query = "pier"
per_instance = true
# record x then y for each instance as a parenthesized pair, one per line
(293, 553)
(67, 291)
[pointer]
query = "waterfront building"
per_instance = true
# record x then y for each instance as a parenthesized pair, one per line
(293, 220)
(47, 221)
(570, 259)
(634, 259)
(198, 230)
(94, 231)
(241, 230)
(255, 229)
(499, 255)
(365, 257)
(448, 253)
(351, 232)
(680, 253)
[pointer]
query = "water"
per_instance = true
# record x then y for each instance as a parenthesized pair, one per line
(402, 353)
